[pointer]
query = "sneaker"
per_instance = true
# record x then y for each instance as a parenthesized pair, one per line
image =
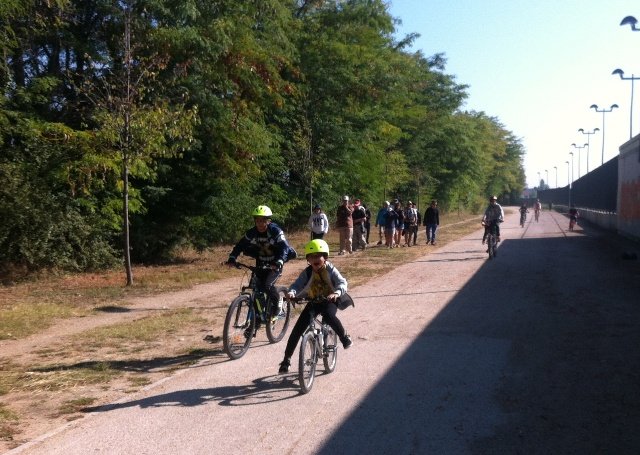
(347, 342)
(284, 366)
(277, 309)
(433, 243)
(379, 243)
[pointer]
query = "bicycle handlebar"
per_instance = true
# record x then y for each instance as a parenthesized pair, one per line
(253, 268)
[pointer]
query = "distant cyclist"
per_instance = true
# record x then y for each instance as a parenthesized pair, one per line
(573, 217)
(523, 213)
(493, 213)
(537, 208)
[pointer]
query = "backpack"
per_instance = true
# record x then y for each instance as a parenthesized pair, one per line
(289, 251)
(344, 301)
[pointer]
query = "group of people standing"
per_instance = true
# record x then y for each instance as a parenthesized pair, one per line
(399, 224)
(352, 223)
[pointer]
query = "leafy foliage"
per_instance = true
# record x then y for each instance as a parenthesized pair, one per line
(212, 108)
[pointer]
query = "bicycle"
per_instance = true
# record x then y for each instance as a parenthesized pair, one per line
(537, 215)
(523, 218)
(248, 311)
(492, 238)
(319, 340)
(572, 221)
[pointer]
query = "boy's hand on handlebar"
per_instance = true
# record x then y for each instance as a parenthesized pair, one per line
(333, 297)
(230, 263)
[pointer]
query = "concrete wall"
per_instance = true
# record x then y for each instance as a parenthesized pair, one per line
(629, 189)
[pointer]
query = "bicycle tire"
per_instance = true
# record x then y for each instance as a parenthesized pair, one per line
(492, 246)
(330, 357)
(277, 325)
(307, 362)
(239, 327)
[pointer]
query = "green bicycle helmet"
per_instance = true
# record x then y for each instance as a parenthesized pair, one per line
(262, 210)
(316, 246)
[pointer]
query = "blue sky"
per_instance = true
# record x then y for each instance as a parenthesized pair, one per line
(537, 66)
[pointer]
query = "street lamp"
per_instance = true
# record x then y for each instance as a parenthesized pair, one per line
(556, 168)
(568, 179)
(572, 175)
(547, 181)
(579, 147)
(632, 21)
(604, 111)
(588, 133)
(620, 73)
(539, 178)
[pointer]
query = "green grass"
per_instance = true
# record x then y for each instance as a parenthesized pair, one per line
(23, 319)
(144, 330)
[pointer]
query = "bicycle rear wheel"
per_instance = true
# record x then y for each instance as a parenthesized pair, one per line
(307, 362)
(330, 357)
(239, 327)
(277, 324)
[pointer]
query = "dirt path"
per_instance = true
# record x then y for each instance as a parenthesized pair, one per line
(529, 353)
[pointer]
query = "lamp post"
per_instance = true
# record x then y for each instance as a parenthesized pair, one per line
(588, 133)
(547, 181)
(579, 147)
(568, 179)
(556, 168)
(539, 178)
(604, 111)
(572, 175)
(632, 21)
(620, 73)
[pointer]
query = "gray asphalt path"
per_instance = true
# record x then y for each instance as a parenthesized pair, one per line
(533, 352)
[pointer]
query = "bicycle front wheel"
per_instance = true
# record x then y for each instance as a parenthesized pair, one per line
(277, 324)
(492, 246)
(307, 362)
(239, 327)
(330, 357)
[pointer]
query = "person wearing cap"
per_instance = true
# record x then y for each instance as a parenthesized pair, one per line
(493, 213)
(390, 225)
(344, 226)
(318, 223)
(410, 223)
(359, 217)
(380, 220)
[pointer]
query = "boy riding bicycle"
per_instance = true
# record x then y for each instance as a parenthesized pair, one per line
(320, 279)
(266, 243)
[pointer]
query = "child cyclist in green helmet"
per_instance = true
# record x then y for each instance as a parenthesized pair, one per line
(266, 243)
(321, 278)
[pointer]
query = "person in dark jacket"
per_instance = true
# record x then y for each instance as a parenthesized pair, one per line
(266, 243)
(432, 221)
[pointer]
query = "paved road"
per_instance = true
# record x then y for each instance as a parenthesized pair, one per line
(534, 352)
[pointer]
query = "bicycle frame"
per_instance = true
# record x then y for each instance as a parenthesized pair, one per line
(247, 312)
(318, 341)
